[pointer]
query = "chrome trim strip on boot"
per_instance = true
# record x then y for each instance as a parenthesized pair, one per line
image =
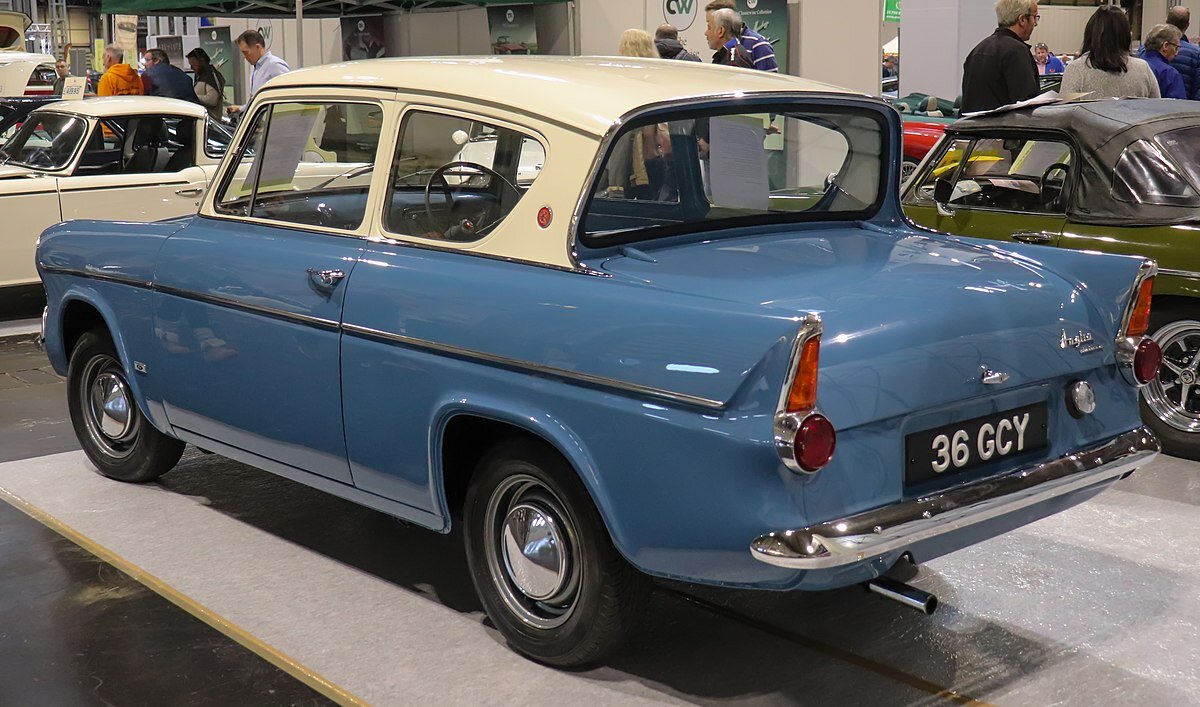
(860, 537)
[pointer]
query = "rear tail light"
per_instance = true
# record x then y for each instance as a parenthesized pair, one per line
(1146, 361)
(804, 439)
(815, 442)
(1139, 316)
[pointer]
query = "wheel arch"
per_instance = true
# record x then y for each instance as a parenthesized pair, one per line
(453, 462)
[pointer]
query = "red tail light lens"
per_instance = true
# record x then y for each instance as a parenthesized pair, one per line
(803, 395)
(1139, 319)
(815, 442)
(1147, 361)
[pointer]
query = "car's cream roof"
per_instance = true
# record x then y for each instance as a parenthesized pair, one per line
(12, 57)
(117, 106)
(588, 93)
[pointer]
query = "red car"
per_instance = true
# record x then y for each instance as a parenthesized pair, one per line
(920, 135)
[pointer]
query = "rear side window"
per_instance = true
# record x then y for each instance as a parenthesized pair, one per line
(1006, 174)
(1145, 175)
(299, 165)
(732, 167)
(455, 178)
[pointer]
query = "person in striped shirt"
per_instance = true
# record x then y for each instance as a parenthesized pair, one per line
(762, 54)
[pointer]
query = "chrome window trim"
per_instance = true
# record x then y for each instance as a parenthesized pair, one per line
(787, 424)
(601, 381)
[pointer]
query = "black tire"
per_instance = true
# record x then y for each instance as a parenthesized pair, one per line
(117, 438)
(1167, 414)
(591, 602)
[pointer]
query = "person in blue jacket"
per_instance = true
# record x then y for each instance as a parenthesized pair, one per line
(1047, 63)
(1159, 48)
(1187, 61)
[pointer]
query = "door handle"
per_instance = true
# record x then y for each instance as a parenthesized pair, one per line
(325, 278)
(1034, 237)
(190, 191)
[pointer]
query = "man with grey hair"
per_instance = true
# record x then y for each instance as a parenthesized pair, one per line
(724, 29)
(1000, 69)
(1159, 48)
(119, 78)
(1187, 61)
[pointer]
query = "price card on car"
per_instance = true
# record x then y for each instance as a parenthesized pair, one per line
(954, 448)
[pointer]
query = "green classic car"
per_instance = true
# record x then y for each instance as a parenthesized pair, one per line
(1116, 176)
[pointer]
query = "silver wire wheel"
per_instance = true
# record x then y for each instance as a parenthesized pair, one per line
(907, 168)
(110, 413)
(532, 551)
(1174, 397)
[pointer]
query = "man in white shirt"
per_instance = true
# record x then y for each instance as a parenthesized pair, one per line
(266, 65)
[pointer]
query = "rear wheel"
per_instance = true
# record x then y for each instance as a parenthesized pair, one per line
(542, 561)
(114, 434)
(907, 168)
(1170, 404)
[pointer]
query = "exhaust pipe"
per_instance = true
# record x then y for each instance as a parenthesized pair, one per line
(906, 594)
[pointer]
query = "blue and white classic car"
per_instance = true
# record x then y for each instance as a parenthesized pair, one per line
(663, 319)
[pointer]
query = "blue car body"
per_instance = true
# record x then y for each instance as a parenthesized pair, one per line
(656, 372)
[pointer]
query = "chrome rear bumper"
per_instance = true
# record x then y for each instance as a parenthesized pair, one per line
(860, 537)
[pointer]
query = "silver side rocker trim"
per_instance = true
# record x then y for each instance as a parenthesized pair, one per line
(860, 537)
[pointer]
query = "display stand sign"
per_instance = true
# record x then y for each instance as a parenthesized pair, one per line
(891, 10)
(173, 46)
(513, 29)
(125, 29)
(74, 88)
(216, 42)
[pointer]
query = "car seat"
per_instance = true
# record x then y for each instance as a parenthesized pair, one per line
(145, 150)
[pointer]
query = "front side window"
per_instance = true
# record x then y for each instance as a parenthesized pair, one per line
(1146, 174)
(1007, 174)
(455, 178)
(297, 165)
(45, 141)
(730, 167)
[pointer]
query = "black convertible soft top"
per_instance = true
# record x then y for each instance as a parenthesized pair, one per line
(1100, 131)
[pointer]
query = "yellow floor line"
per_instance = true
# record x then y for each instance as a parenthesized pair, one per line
(225, 626)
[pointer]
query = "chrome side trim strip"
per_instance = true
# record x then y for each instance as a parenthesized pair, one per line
(318, 322)
(534, 368)
(103, 277)
(1180, 273)
(847, 541)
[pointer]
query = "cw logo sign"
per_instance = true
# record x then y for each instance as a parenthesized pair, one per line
(681, 13)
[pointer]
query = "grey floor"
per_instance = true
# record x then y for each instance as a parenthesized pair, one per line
(1098, 605)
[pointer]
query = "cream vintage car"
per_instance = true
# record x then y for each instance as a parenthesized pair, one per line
(22, 73)
(132, 158)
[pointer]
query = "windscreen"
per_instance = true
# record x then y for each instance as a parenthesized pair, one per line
(45, 141)
(727, 168)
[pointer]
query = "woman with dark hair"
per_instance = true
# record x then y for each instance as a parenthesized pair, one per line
(210, 84)
(1105, 68)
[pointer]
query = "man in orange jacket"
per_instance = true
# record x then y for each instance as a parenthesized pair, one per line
(119, 78)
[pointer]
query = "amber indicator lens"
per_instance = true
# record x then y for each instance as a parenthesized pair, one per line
(815, 442)
(1147, 361)
(803, 395)
(1139, 321)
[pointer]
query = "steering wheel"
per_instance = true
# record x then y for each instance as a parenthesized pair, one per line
(464, 229)
(40, 157)
(1045, 196)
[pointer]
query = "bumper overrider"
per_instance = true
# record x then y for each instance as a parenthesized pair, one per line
(853, 539)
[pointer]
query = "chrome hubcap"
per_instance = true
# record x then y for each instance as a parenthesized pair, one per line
(532, 552)
(1175, 395)
(110, 415)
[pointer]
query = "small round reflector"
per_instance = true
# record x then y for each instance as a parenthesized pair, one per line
(1083, 398)
(545, 216)
(1147, 361)
(815, 441)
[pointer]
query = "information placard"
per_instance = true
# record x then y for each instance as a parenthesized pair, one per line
(74, 88)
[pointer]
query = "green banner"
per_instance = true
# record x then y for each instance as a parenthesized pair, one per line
(891, 10)
(770, 19)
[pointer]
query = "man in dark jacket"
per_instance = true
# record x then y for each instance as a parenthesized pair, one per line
(162, 79)
(722, 34)
(1187, 61)
(666, 41)
(1000, 69)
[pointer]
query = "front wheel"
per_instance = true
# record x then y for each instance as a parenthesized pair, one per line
(542, 561)
(1170, 404)
(114, 434)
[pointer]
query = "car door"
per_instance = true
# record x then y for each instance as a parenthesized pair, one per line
(135, 171)
(250, 301)
(30, 206)
(1000, 188)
